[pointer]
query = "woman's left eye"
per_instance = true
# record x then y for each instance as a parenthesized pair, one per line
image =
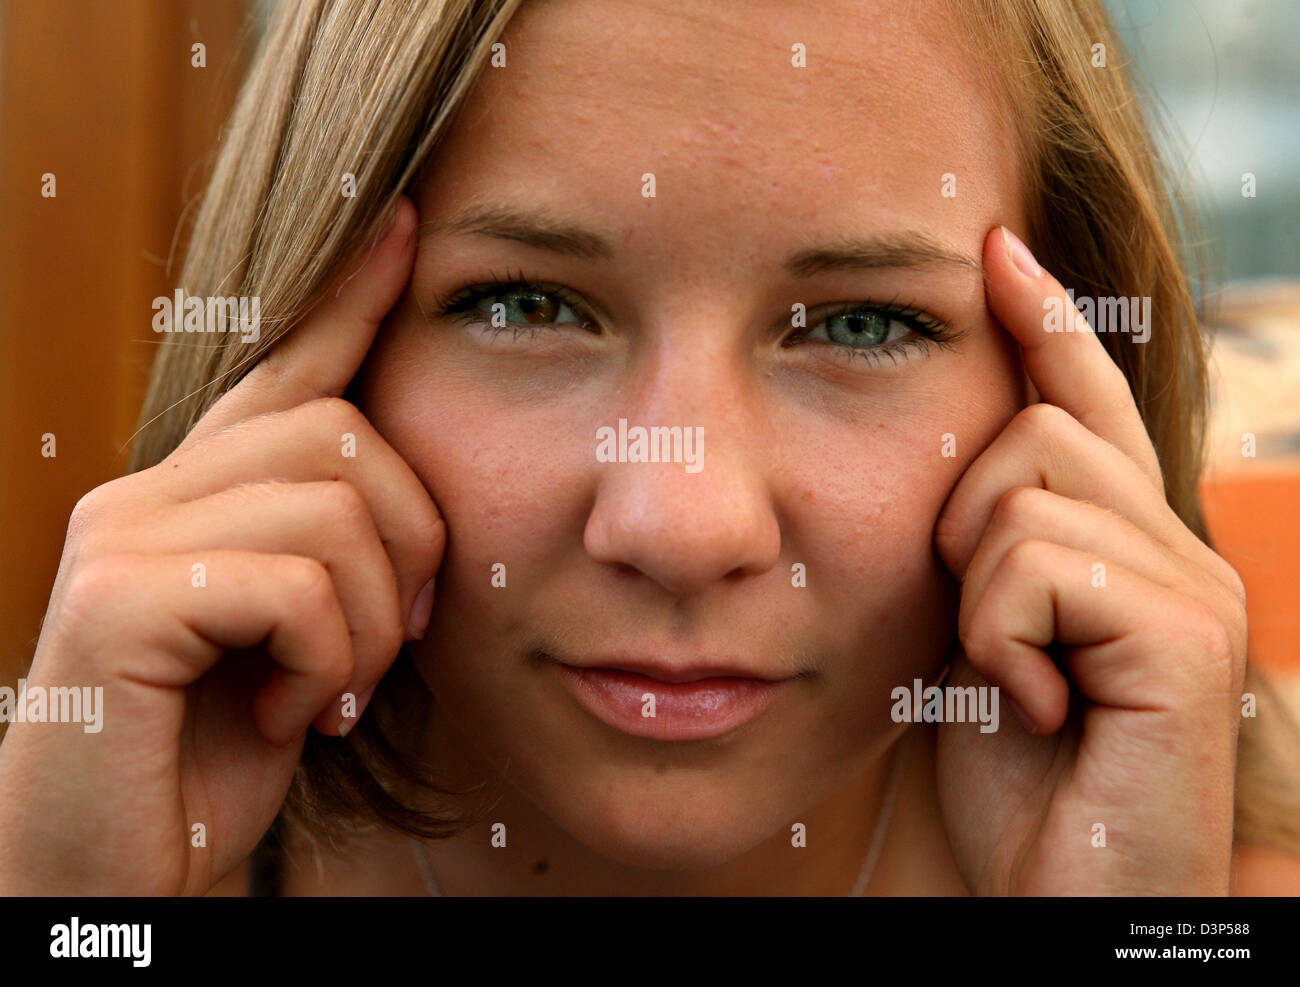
(872, 332)
(863, 328)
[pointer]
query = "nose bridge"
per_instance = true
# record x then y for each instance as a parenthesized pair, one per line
(682, 493)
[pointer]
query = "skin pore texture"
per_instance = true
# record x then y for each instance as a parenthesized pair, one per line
(815, 453)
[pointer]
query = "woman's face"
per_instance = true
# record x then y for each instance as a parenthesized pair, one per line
(690, 177)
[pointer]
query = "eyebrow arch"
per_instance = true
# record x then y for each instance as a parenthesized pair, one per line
(533, 228)
(542, 229)
(911, 249)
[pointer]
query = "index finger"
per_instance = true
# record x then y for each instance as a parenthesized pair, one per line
(320, 356)
(1064, 358)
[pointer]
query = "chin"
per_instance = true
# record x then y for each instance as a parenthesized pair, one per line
(669, 827)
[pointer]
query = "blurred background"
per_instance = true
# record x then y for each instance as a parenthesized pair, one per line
(106, 96)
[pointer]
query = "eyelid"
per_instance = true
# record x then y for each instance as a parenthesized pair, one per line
(909, 314)
(479, 290)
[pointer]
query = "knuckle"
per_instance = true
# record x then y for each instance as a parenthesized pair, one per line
(1025, 556)
(1016, 506)
(308, 580)
(96, 581)
(1215, 643)
(339, 414)
(1232, 614)
(344, 502)
(1232, 579)
(93, 540)
(1046, 421)
(79, 628)
(1215, 640)
(93, 508)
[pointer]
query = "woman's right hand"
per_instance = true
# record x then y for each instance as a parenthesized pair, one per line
(225, 600)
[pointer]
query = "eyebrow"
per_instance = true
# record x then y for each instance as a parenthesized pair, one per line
(537, 228)
(545, 231)
(909, 249)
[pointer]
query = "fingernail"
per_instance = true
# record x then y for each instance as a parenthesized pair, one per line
(1021, 715)
(421, 610)
(1020, 255)
(349, 722)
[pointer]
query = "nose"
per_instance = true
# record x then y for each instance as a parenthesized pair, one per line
(681, 525)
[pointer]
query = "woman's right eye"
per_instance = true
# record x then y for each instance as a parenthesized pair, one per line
(518, 304)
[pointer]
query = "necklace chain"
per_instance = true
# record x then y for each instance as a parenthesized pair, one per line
(883, 818)
(872, 856)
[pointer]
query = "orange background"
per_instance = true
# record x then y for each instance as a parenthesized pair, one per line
(104, 97)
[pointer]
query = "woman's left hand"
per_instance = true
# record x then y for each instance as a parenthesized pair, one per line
(1063, 540)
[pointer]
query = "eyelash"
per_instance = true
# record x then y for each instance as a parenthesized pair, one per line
(460, 305)
(926, 330)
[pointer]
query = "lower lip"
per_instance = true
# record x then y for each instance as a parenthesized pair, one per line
(682, 710)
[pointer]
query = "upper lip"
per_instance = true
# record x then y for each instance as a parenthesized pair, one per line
(675, 672)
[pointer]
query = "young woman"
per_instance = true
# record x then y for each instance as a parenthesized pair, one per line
(399, 602)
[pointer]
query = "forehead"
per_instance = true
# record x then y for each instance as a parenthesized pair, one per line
(742, 143)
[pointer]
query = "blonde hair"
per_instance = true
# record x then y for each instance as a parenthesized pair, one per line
(368, 87)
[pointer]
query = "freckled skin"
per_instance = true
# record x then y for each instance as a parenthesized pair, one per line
(809, 457)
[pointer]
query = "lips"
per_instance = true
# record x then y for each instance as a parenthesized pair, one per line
(676, 674)
(670, 702)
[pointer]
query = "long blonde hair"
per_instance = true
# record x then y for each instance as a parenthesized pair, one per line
(368, 87)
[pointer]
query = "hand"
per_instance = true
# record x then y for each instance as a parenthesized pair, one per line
(314, 567)
(1066, 547)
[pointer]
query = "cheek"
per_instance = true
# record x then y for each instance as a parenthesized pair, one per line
(497, 475)
(871, 514)
(863, 517)
(510, 479)
(863, 523)
(886, 465)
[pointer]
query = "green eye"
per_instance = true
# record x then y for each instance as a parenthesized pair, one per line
(864, 328)
(873, 331)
